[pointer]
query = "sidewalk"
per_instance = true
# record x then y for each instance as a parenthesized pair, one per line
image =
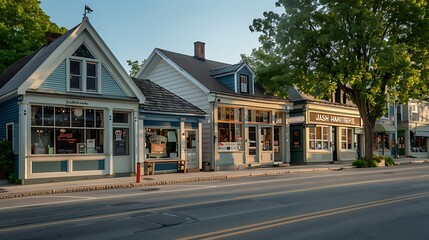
(14, 191)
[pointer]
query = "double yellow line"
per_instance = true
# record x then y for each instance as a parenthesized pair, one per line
(299, 218)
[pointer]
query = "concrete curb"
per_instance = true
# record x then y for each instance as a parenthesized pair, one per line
(158, 182)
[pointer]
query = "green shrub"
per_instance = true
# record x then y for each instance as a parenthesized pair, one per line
(390, 162)
(360, 163)
(378, 158)
(7, 158)
(12, 179)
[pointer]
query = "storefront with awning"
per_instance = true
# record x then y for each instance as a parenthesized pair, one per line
(384, 138)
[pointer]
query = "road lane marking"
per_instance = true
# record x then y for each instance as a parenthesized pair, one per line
(224, 186)
(163, 208)
(299, 218)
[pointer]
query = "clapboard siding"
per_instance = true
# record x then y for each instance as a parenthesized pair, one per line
(57, 80)
(168, 78)
(9, 112)
(108, 84)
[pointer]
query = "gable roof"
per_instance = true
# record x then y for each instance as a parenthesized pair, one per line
(159, 99)
(295, 95)
(226, 70)
(16, 73)
(203, 70)
(200, 70)
(26, 75)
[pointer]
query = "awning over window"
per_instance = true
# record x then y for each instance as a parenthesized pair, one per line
(422, 134)
(386, 128)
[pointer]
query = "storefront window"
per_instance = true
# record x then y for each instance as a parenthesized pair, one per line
(381, 141)
(278, 118)
(259, 116)
(230, 137)
(346, 138)
(267, 138)
(66, 130)
(162, 143)
(230, 129)
(318, 138)
(418, 143)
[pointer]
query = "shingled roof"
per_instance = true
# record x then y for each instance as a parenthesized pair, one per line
(159, 99)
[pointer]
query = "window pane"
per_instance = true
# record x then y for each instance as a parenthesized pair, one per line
(99, 119)
(91, 69)
(95, 141)
(67, 140)
(120, 117)
(75, 68)
(77, 117)
(91, 84)
(48, 116)
(161, 143)
(91, 79)
(90, 118)
(36, 115)
(120, 141)
(42, 140)
(267, 139)
(62, 117)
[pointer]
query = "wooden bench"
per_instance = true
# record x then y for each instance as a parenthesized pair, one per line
(149, 165)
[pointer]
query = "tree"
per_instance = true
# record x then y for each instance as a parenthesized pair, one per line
(370, 49)
(22, 29)
(135, 66)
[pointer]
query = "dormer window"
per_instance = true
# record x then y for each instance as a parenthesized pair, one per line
(83, 71)
(244, 84)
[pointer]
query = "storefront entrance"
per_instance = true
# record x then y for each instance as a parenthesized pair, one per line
(278, 140)
(334, 144)
(253, 146)
(121, 142)
(191, 149)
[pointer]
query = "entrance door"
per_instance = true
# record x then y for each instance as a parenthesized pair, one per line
(278, 144)
(121, 151)
(191, 149)
(253, 146)
(334, 144)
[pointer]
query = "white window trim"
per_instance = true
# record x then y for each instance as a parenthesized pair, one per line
(247, 84)
(83, 74)
(329, 140)
(341, 140)
(13, 131)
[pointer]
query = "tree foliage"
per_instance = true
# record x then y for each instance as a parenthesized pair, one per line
(135, 66)
(22, 29)
(367, 48)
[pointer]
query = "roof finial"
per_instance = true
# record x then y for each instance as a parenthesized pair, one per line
(86, 10)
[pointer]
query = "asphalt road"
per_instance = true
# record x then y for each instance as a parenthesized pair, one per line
(380, 203)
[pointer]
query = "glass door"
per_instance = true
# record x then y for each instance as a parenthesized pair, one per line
(278, 144)
(253, 146)
(191, 149)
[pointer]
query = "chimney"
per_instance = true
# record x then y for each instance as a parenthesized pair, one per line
(199, 51)
(51, 36)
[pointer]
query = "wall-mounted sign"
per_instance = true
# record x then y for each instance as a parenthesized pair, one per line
(296, 119)
(317, 117)
(75, 102)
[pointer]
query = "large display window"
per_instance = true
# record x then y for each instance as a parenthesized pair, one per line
(230, 137)
(347, 138)
(66, 130)
(162, 143)
(318, 138)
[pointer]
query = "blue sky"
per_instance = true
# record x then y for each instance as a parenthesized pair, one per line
(133, 28)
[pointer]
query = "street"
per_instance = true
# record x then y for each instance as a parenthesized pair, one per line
(378, 203)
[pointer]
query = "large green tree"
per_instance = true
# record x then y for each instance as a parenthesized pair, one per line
(22, 29)
(370, 49)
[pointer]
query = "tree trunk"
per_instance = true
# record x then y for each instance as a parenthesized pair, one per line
(369, 133)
